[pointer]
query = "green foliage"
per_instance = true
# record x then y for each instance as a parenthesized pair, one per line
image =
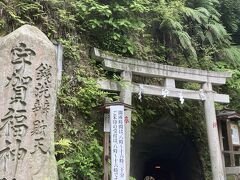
(79, 159)
(230, 10)
(70, 48)
(112, 19)
(80, 93)
(233, 85)
(131, 178)
(178, 32)
(231, 55)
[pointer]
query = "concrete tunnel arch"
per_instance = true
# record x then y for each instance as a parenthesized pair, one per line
(159, 150)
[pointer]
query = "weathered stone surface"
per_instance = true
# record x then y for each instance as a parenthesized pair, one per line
(151, 69)
(157, 90)
(28, 87)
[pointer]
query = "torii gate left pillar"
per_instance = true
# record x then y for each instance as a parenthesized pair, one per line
(126, 97)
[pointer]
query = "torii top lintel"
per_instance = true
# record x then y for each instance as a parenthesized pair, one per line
(146, 68)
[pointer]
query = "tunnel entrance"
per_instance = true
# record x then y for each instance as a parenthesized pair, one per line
(161, 152)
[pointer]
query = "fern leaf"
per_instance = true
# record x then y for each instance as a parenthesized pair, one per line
(232, 55)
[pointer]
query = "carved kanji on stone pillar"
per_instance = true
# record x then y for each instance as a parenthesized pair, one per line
(28, 87)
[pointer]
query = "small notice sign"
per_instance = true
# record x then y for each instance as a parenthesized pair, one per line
(235, 134)
(117, 143)
(106, 122)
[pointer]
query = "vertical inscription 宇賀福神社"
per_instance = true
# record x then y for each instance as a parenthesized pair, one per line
(14, 123)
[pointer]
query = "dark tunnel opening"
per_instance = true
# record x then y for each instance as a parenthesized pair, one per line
(160, 151)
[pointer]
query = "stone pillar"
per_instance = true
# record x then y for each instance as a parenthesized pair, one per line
(28, 86)
(126, 97)
(212, 132)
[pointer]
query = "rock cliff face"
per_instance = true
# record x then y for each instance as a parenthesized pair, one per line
(28, 88)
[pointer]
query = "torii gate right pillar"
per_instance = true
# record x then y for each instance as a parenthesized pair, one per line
(212, 132)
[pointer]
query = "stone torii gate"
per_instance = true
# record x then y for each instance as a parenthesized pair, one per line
(129, 67)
